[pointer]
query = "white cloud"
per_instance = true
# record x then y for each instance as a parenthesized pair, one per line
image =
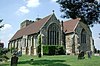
(6, 27)
(53, 0)
(23, 9)
(5, 38)
(32, 3)
(96, 43)
(98, 0)
(5, 34)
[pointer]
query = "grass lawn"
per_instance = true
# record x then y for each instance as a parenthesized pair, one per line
(58, 60)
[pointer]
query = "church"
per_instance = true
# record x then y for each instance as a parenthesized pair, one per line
(73, 35)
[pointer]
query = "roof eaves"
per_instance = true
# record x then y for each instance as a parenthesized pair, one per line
(69, 32)
(15, 39)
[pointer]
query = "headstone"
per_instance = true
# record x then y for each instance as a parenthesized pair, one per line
(14, 60)
(81, 55)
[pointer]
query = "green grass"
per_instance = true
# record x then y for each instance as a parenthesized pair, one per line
(60, 60)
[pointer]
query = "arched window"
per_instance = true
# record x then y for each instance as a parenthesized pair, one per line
(53, 34)
(83, 36)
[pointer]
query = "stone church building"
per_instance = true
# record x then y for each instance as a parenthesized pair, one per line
(74, 35)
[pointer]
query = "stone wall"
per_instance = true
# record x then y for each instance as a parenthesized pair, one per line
(73, 40)
(26, 44)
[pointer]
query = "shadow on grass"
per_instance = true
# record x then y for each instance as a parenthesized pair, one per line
(45, 62)
(4, 64)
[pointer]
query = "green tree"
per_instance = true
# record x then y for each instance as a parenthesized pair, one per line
(87, 10)
(39, 46)
(1, 27)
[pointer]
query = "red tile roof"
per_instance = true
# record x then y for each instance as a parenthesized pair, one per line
(31, 29)
(69, 26)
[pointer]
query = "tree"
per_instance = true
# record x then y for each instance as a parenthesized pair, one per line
(0, 22)
(87, 10)
(39, 47)
(1, 44)
(3, 52)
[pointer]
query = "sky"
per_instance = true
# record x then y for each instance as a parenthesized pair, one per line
(13, 12)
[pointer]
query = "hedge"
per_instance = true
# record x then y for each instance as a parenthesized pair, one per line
(53, 50)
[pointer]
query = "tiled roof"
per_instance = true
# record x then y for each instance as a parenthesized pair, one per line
(31, 29)
(69, 26)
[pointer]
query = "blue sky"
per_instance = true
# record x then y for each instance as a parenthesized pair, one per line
(13, 12)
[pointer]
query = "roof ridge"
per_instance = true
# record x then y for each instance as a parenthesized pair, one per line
(34, 22)
(37, 21)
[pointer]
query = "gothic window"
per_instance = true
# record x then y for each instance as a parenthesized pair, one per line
(83, 36)
(53, 34)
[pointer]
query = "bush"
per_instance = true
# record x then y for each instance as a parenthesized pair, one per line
(45, 50)
(61, 51)
(3, 56)
(53, 50)
(3, 51)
